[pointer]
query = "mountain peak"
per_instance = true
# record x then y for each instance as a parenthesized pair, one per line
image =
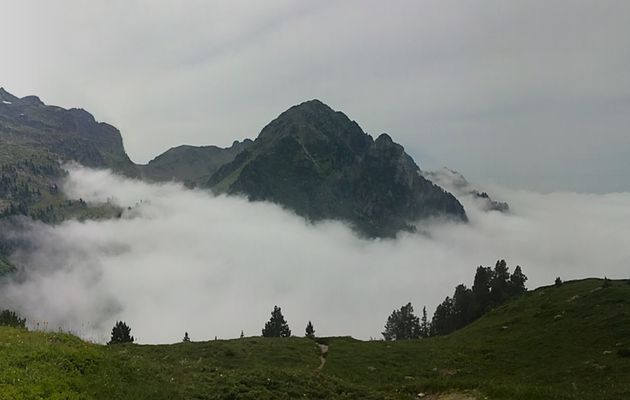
(319, 163)
(314, 122)
(309, 109)
(6, 96)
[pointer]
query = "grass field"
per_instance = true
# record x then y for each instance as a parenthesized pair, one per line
(567, 342)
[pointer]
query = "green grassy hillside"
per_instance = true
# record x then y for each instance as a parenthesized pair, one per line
(568, 342)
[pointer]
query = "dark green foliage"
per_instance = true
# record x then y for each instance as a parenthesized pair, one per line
(606, 283)
(491, 288)
(481, 289)
(121, 333)
(402, 324)
(11, 318)
(425, 326)
(276, 326)
(557, 282)
(186, 337)
(310, 330)
(516, 285)
(499, 284)
(444, 319)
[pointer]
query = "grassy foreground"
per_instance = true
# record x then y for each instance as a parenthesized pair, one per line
(568, 342)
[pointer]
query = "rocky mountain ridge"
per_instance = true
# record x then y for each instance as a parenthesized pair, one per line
(310, 159)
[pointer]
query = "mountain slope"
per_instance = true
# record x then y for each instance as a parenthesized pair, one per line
(192, 165)
(320, 164)
(35, 139)
(69, 135)
(310, 159)
(568, 342)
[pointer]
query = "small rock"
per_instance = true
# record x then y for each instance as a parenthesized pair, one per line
(421, 394)
(606, 352)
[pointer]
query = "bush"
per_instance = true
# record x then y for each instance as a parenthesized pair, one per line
(11, 318)
(558, 282)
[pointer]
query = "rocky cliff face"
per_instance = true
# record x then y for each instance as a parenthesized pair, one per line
(320, 164)
(69, 135)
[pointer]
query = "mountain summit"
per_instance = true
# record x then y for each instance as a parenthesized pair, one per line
(310, 159)
(320, 164)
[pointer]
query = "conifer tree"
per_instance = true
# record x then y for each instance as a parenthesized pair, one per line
(121, 333)
(402, 324)
(186, 337)
(517, 282)
(425, 328)
(276, 326)
(310, 331)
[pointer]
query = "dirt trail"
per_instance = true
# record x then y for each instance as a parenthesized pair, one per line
(322, 357)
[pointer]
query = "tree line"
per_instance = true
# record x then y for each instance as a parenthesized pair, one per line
(491, 288)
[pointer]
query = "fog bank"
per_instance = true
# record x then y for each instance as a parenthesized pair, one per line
(183, 260)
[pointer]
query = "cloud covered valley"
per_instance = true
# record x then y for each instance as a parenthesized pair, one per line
(184, 260)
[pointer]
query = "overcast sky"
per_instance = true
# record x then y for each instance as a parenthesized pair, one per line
(532, 94)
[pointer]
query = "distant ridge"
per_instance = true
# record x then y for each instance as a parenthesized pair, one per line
(310, 159)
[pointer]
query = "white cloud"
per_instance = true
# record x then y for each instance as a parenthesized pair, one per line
(184, 260)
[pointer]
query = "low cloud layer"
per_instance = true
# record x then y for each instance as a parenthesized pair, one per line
(181, 260)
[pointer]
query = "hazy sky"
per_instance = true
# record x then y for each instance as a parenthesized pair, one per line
(182, 260)
(531, 94)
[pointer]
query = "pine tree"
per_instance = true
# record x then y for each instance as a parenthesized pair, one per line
(558, 282)
(463, 306)
(310, 331)
(121, 333)
(402, 324)
(443, 321)
(186, 337)
(499, 284)
(517, 282)
(242, 334)
(425, 328)
(481, 290)
(276, 326)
